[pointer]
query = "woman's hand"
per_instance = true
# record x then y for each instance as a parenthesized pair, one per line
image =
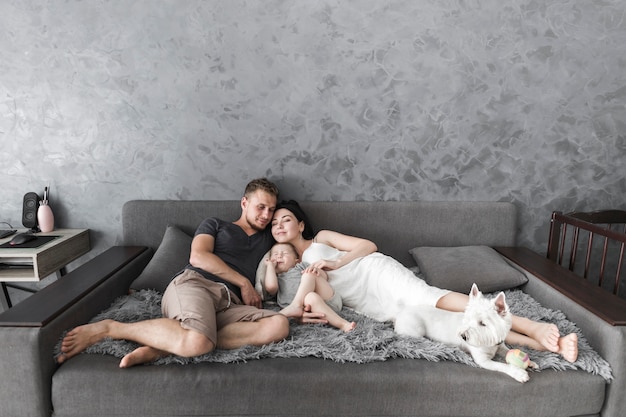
(314, 269)
(325, 265)
(318, 272)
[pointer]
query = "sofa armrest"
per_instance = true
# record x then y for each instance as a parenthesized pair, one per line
(600, 315)
(30, 330)
(602, 303)
(39, 309)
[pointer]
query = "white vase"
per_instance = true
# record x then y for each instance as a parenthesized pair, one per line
(45, 218)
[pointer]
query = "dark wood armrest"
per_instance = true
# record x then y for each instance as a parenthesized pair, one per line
(42, 307)
(602, 303)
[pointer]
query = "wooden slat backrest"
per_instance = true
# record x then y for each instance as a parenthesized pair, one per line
(609, 226)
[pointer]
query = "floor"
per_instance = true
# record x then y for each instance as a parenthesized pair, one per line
(17, 295)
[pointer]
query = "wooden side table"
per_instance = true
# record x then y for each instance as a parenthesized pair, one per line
(22, 264)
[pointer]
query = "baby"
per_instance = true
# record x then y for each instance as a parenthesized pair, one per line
(298, 285)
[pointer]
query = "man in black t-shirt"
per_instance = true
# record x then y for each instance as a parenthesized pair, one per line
(212, 303)
(232, 245)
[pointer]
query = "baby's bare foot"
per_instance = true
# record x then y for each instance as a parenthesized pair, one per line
(349, 326)
(568, 347)
(292, 311)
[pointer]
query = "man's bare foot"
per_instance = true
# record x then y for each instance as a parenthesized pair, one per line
(349, 326)
(143, 354)
(547, 334)
(568, 347)
(292, 311)
(81, 337)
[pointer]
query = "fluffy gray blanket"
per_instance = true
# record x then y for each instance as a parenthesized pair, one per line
(370, 341)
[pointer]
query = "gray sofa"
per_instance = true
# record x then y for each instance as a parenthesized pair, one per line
(32, 384)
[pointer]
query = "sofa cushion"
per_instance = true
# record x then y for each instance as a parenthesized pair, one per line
(85, 384)
(171, 257)
(457, 268)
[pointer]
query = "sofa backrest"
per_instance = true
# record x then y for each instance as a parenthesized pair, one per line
(395, 226)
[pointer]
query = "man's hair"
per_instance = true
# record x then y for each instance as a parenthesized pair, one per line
(262, 184)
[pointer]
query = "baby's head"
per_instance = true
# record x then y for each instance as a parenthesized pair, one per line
(285, 256)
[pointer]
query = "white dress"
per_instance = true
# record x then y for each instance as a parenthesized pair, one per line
(376, 285)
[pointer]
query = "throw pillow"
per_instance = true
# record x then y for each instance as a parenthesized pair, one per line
(457, 268)
(171, 257)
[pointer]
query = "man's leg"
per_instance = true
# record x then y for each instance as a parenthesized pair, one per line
(142, 354)
(163, 334)
(190, 331)
(166, 336)
(257, 333)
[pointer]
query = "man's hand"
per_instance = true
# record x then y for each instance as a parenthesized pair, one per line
(312, 318)
(249, 295)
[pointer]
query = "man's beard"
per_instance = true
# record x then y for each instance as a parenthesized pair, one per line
(256, 227)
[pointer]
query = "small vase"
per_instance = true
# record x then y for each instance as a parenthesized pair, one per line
(45, 218)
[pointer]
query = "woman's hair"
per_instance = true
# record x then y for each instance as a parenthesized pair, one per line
(296, 210)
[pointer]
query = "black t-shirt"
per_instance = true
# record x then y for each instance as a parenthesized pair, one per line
(238, 250)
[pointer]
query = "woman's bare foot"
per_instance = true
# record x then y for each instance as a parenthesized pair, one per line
(349, 326)
(81, 337)
(292, 311)
(143, 354)
(568, 347)
(547, 334)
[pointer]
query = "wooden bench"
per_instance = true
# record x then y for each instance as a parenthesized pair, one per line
(598, 238)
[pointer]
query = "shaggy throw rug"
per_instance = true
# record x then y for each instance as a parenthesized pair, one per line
(370, 341)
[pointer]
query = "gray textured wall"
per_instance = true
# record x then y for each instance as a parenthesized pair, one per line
(513, 100)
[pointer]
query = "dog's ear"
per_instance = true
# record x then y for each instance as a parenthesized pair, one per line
(474, 292)
(500, 304)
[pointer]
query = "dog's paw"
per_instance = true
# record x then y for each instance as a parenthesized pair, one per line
(533, 365)
(519, 374)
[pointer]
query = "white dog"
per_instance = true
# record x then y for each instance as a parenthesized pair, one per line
(480, 330)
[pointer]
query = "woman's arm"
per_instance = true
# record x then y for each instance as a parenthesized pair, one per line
(355, 247)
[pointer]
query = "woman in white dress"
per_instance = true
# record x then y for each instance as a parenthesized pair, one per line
(380, 287)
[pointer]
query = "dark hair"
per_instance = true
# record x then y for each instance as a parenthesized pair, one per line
(296, 210)
(262, 184)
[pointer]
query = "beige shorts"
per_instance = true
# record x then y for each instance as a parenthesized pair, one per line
(205, 306)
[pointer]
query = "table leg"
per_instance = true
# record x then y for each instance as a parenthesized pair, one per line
(5, 299)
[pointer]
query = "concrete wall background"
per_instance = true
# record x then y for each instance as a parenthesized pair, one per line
(508, 100)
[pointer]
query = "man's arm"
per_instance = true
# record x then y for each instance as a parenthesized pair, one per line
(202, 256)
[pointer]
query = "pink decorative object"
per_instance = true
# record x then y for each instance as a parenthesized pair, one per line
(45, 217)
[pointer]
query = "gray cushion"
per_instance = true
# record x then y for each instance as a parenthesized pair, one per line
(457, 268)
(170, 258)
